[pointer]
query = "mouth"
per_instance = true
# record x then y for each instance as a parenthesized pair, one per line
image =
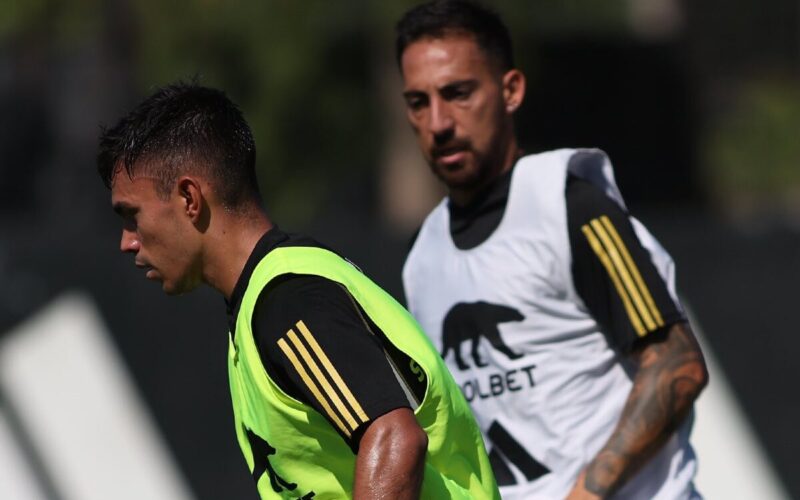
(150, 271)
(450, 157)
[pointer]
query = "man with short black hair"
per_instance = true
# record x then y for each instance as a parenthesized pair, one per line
(336, 392)
(553, 307)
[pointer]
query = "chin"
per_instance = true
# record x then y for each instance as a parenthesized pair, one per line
(459, 175)
(170, 288)
(459, 180)
(174, 290)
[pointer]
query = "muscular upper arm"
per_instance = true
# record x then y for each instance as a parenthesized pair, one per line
(391, 458)
(673, 355)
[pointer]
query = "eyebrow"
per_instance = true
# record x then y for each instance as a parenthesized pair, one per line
(469, 82)
(455, 83)
(413, 93)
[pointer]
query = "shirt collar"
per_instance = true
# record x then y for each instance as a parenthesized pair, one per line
(265, 245)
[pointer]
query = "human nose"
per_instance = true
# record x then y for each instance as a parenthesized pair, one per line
(441, 120)
(129, 242)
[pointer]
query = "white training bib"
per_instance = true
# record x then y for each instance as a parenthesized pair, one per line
(544, 384)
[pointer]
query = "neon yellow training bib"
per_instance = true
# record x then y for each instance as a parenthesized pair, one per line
(293, 451)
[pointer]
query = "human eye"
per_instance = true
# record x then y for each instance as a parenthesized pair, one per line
(415, 102)
(129, 222)
(128, 216)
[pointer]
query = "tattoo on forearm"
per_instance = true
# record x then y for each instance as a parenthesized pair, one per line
(671, 375)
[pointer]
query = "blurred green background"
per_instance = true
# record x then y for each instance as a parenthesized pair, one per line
(310, 78)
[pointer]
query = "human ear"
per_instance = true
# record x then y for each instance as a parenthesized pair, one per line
(191, 197)
(513, 89)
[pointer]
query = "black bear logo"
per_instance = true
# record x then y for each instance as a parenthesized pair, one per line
(471, 321)
(261, 453)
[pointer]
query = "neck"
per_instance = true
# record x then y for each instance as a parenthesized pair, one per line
(231, 241)
(462, 197)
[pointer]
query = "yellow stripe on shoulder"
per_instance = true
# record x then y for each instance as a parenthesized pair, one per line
(627, 280)
(312, 386)
(321, 379)
(637, 276)
(594, 242)
(331, 370)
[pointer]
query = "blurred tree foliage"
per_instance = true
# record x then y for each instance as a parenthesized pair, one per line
(299, 70)
(538, 18)
(753, 150)
(62, 24)
(304, 73)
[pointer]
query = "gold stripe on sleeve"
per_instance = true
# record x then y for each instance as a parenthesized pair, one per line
(311, 385)
(616, 259)
(332, 371)
(604, 259)
(634, 270)
(322, 380)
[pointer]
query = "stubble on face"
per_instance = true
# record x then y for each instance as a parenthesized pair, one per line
(454, 98)
(479, 165)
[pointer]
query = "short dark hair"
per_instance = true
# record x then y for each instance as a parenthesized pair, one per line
(440, 18)
(180, 128)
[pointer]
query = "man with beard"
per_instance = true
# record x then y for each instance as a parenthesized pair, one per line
(553, 307)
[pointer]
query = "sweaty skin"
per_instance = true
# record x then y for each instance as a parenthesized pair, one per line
(671, 375)
(391, 458)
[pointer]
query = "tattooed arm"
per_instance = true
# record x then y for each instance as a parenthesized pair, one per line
(671, 375)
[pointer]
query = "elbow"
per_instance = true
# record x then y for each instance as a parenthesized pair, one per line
(693, 378)
(691, 374)
(698, 370)
(701, 375)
